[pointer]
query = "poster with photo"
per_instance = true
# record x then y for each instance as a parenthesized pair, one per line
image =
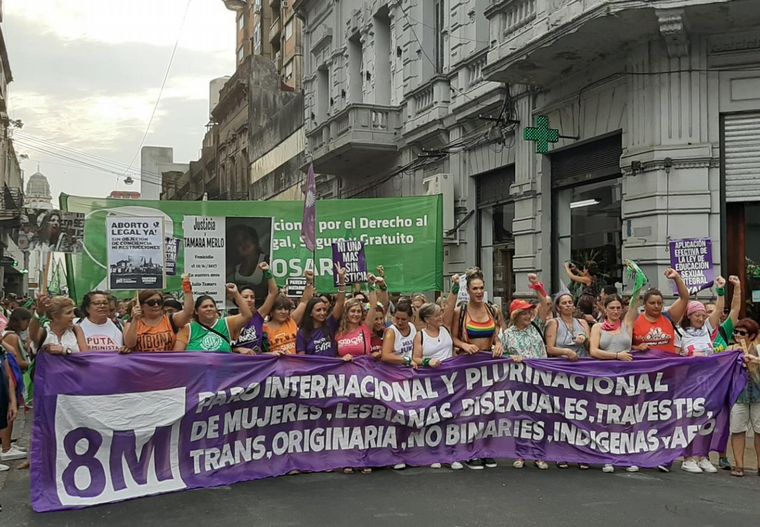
(51, 230)
(135, 253)
(248, 243)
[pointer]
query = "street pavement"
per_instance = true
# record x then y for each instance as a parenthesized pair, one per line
(422, 497)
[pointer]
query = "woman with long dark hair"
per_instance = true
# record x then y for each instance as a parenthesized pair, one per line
(244, 255)
(210, 332)
(251, 338)
(318, 326)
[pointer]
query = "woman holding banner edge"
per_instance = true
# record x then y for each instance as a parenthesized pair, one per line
(153, 331)
(209, 332)
(317, 333)
(251, 338)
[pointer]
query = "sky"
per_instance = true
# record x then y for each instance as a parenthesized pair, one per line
(86, 77)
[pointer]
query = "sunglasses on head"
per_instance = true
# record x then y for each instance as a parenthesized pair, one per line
(153, 302)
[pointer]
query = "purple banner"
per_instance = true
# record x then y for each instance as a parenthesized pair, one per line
(692, 258)
(110, 427)
(349, 254)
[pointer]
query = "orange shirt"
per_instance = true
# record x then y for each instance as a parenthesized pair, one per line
(660, 335)
(282, 338)
(155, 338)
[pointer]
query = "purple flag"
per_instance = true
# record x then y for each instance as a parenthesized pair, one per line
(309, 224)
(110, 427)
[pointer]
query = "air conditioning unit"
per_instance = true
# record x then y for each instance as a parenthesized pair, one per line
(284, 4)
(442, 184)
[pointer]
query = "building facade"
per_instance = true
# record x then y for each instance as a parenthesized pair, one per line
(657, 104)
(254, 145)
(12, 262)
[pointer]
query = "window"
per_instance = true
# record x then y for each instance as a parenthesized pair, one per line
(240, 54)
(440, 26)
(288, 72)
(289, 29)
(241, 22)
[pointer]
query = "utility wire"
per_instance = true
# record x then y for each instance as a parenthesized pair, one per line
(163, 84)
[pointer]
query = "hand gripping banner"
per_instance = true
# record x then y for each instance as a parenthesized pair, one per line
(110, 427)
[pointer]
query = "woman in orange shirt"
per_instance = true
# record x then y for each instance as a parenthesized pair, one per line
(282, 327)
(153, 331)
(655, 327)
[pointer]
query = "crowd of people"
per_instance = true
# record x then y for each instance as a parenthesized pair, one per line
(407, 331)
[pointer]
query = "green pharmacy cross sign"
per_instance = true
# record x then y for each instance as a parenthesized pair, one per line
(541, 134)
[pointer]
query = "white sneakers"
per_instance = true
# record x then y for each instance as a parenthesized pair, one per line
(607, 469)
(632, 468)
(690, 466)
(3, 468)
(693, 467)
(456, 465)
(399, 466)
(435, 465)
(706, 466)
(12, 453)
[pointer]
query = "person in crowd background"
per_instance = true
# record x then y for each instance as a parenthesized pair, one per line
(8, 412)
(151, 330)
(524, 338)
(100, 331)
(251, 338)
(611, 340)
(64, 337)
(318, 327)
(282, 327)
(655, 327)
(171, 306)
(209, 332)
(745, 415)
(588, 278)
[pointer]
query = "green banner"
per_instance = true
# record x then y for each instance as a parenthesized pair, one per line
(402, 234)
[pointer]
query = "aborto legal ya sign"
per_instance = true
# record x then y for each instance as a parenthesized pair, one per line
(402, 234)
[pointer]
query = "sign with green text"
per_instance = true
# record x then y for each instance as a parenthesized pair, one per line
(402, 234)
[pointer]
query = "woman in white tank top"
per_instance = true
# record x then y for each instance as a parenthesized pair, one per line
(63, 337)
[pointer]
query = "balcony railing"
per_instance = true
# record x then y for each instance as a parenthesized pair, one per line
(428, 104)
(355, 134)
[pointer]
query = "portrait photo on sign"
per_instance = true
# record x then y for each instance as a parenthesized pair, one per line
(46, 229)
(248, 242)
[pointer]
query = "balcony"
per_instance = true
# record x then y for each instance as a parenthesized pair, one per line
(540, 41)
(428, 107)
(275, 30)
(358, 134)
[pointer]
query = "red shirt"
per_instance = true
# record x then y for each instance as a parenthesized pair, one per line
(660, 335)
(376, 343)
(355, 343)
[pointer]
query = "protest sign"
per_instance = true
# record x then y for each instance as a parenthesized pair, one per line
(204, 256)
(403, 234)
(44, 229)
(692, 258)
(296, 287)
(135, 253)
(171, 248)
(104, 431)
(349, 255)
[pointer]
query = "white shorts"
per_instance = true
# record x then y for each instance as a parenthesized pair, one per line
(745, 417)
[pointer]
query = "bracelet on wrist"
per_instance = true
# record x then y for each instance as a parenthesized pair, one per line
(721, 291)
(407, 361)
(383, 287)
(372, 287)
(455, 289)
(268, 274)
(426, 362)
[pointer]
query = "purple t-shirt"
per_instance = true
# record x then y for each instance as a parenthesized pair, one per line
(252, 335)
(321, 342)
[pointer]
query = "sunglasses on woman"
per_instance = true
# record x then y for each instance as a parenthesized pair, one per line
(153, 302)
(740, 333)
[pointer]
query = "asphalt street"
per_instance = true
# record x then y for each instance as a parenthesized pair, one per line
(421, 496)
